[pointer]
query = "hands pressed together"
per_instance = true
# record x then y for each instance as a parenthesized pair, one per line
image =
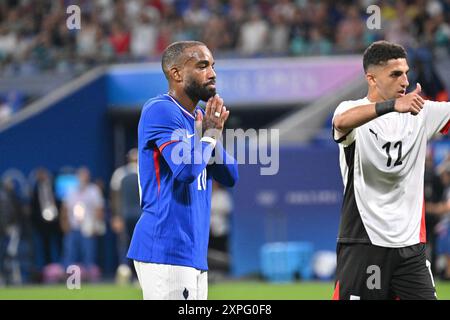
(212, 123)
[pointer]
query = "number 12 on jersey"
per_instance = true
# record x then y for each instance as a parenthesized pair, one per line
(398, 146)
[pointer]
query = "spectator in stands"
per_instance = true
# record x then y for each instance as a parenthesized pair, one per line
(398, 31)
(279, 34)
(51, 45)
(126, 209)
(285, 9)
(165, 37)
(5, 110)
(104, 48)
(221, 206)
(81, 220)
(196, 15)
(45, 222)
(318, 43)
(144, 35)
(216, 34)
(350, 32)
(434, 197)
(15, 251)
(433, 87)
(442, 229)
(182, 31)
(236, 15)
(8, 43)
(86, 38)
(4, 221)
(299, 33)
(253, 34)
(120, 39)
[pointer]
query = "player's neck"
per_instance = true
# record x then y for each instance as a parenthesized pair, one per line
(184, 100)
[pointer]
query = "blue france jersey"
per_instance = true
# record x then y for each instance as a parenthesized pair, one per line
(174, 225)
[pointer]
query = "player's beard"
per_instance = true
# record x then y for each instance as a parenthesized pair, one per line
(197, 91)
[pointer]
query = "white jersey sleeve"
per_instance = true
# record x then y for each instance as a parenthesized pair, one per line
(349, 138)
(437, 117)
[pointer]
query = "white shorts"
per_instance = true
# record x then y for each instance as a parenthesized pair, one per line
(169, 282)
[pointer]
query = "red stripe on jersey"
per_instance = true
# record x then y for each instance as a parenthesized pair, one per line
(166, 144)
(445, 129)
(156, 155)
(336, 292)
(423, 230)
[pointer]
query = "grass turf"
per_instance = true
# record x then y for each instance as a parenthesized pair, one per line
(234, 290)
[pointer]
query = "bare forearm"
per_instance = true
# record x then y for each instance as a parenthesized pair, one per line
(357, 116)
(354, 117)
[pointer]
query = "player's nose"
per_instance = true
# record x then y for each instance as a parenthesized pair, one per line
(405, 82)
(212, 74)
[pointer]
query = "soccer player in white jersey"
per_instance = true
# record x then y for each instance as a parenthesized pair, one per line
(382, 140)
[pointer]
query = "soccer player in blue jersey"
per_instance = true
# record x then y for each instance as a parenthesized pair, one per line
(177, 141)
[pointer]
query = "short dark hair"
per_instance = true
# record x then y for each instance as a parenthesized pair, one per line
(380, 52)
(173, 52)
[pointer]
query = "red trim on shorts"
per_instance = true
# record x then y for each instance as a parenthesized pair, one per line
(336, 292)
(423, 230)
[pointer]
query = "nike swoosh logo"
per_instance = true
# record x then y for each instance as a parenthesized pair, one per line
(190, 135)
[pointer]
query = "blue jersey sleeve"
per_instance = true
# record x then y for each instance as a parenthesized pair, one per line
(162, 125)
(187, 160)
(163, 128)
(225, 168)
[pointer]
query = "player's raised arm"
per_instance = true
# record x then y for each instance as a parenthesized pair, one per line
(225, 168)
(209, 129)
(357, 116)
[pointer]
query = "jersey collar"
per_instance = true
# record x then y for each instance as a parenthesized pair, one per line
(181, 107)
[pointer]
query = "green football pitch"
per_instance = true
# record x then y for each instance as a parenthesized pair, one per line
(234, 290)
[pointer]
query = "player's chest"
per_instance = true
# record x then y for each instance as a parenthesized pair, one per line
(390, 143)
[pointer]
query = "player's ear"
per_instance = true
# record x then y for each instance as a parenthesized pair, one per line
(371, 80)
(175, 74)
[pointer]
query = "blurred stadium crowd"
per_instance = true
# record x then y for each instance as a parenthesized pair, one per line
(34, 36)
(34, 235)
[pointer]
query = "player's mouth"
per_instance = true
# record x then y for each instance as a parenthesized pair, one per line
(401, 93)
(211, 84)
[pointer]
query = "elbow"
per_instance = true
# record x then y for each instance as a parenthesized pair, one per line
(186, 177)
(232, 179)
(339, 124)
